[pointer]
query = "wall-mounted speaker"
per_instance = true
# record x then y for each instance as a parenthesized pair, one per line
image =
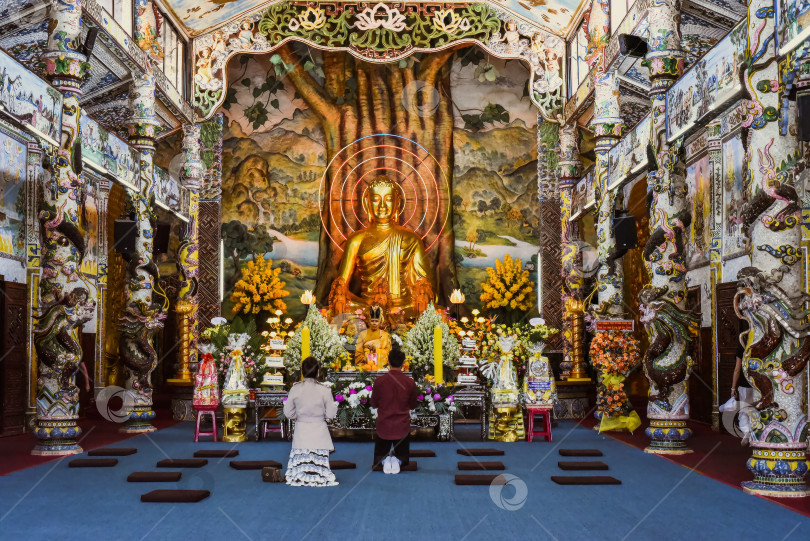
(630, 45)
(803, 115)
(125, 233)
(90, 42)
(624, 230)
(160, 241)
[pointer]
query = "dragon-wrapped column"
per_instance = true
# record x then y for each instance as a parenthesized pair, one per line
(607, 129)
(770, 293)
(569, 172)
(146, 303)
(64, 302)
(187, 255)
(670, 327)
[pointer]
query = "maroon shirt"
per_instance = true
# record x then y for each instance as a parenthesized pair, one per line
(394, 396)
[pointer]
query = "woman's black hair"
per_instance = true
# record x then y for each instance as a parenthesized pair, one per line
(309, 368)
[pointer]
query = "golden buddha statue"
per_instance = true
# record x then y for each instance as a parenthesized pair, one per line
(373, 344)
(384, 253)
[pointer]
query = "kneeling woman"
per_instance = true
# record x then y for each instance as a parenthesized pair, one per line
(310, 404)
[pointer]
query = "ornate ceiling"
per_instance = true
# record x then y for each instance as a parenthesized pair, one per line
(199, 16)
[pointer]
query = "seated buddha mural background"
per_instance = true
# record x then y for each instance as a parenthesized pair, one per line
(383, 264)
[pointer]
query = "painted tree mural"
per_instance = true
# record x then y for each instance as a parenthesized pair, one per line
(354, 99)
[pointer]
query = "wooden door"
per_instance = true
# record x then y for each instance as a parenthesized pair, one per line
(700, 382)
(13, 380)
(728, 332)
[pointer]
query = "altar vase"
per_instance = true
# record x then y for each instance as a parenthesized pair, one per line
(394, 395)
(310, 404)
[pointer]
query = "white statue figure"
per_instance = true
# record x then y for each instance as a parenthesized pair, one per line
(507, 379)
(235, 389)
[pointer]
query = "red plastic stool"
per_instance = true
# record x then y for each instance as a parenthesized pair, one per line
(269, 425)
(213, 414)
(540, 411)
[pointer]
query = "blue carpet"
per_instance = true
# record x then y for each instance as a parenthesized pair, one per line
(657, 500)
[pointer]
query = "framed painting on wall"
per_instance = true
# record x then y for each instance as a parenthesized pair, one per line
(698, 182)
(792, 24)
(29, 100)
(733, 197)
(12, 198)
(709, 84)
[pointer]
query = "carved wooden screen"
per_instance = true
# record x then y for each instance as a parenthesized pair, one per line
(13, 380)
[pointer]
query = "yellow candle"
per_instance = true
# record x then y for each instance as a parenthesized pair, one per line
(437, 355)
(304, 342)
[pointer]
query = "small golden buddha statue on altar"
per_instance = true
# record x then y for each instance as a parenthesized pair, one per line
(383, 254)
(373, 344)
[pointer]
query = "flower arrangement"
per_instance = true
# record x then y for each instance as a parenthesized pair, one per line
(353, 397)
(418, 344)
(508, 287)
(488, 334)
(614, 354)
(259, 289)
(434, 399)
(325, 343)
(224, 347)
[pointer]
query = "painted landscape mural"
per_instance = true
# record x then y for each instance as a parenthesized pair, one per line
(12, 201)
(274, 158)
(699, 186)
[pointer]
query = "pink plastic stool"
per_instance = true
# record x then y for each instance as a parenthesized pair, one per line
(545, 413)
(213, 414)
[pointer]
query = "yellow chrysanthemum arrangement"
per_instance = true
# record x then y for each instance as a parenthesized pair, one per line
(259, 289)
(508, 287)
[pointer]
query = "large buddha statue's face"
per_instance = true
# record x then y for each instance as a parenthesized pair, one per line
(382, 202)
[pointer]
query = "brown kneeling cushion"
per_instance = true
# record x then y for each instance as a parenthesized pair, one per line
(93, 462)
(467, 479)
(421, 453)
(585, 480)
(480, 465)
(254, 464)
(582, 465)
(154, 476)
(182, 463)
(216, 453)
(480, 452)
(175, 496)
(410, 467)
(341, 465)
(113, 451)
(580, 452)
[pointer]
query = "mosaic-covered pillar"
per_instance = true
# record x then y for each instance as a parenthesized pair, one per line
(770, 292)
(607, 129)
(187, 255)
(210, 222)
(146, 303)
(718, 176)
(63, 296)
(569, 171)
(148, 21)
(671, 329)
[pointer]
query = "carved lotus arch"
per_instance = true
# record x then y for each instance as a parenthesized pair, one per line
(381, 33)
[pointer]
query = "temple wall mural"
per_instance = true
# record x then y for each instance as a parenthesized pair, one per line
(274, 162)
(12, 207)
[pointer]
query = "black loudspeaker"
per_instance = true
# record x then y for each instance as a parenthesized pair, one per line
(160, 242)
(630, 45)
(90, 42)
(624, 229)
(125, 232)
(803, 116)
